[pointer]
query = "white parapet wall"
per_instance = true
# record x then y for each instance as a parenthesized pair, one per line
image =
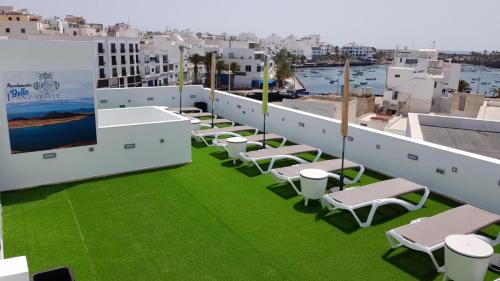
(457, 174)
(149, 137)
(467, 177)
(161, 96)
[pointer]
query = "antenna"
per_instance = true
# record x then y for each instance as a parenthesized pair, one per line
(433, 45)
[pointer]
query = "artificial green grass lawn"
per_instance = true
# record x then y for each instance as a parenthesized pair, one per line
(208, 220)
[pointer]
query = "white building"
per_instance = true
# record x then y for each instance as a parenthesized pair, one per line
(418, 82)
(251, 62)
(358, 51)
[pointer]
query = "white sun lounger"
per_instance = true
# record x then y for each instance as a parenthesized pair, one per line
(199, 114)
(252, 140)
(208, 122)
(186, 109)
(427, 234)
(200, 135)
(292, 173)
(374, 195)
(275, 154)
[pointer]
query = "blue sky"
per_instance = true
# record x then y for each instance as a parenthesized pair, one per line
(453, 24)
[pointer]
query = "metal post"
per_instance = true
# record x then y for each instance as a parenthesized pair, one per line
(342, 165)
(212, 114)
(264, 134)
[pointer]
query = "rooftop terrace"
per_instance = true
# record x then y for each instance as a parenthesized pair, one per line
(210, 220)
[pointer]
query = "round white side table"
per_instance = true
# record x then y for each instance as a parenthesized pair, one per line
(313, 184)
(466, 258)
(235, 146)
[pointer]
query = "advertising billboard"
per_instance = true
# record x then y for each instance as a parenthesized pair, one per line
(49, 109)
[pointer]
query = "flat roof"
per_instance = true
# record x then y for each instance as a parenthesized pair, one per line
(475, 141)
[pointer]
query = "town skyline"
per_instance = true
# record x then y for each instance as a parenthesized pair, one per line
(397, 29)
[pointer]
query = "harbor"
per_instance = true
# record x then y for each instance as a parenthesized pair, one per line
(323, 80)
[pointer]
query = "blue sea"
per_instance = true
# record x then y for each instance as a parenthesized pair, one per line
(53, 136)
(317, 80)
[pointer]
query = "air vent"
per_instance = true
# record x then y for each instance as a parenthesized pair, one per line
(49, 155)
(412, 157)
(129, 146)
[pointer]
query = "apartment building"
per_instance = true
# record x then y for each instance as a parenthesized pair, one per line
(18, 24)
(418, 82)
(358, 51)
(118, 62)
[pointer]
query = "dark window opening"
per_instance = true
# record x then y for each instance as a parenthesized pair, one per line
(461, 103)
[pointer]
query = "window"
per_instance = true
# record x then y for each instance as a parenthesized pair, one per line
(18, 19)
(165, 68)
(136, 58)
(259, 68)
(10, 18)
(395, 95)
(130, 48)
(248, 68)
(113, 60)
(400, 59)
(123, 61)
(113, 48)
(101, 61)
(461, 103)
(146, 59)
(146, 70)
(132, 70)
(102, 74)
(435, 84)
(131, 59)
(157, 69)
(7, 30)
(170, 67)
(74, 33)
(115, 72)
(124, 71)
(100, 48)
(397, 75)
(137, 69)
(23, 30)
(411, 61)
(136, 48)
(122, 48)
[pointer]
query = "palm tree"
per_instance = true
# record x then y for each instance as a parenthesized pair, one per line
(463, 86)
(220, 65)
(495, 91)
(207, 61)
(235, 67)
(195, 59)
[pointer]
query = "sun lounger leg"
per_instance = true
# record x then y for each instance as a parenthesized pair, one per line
(294, 187)
(358, 175)
(283, 142)
(317, 155)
